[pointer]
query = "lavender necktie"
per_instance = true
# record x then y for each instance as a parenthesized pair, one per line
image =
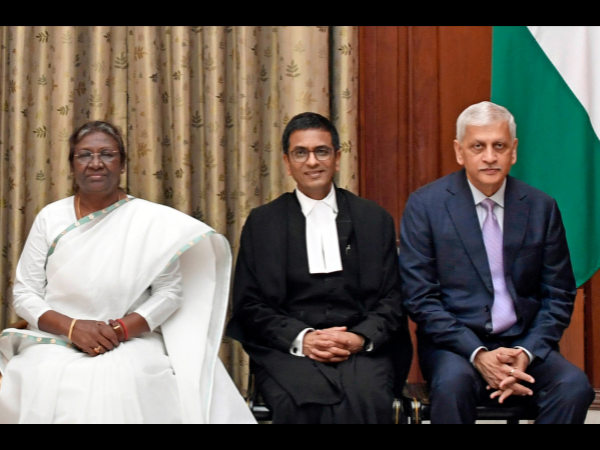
(503, 309)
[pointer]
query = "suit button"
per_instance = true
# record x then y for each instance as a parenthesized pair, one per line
(380, 327)
(283, 325)
(487, 308)
(329, 306)
(332, 290)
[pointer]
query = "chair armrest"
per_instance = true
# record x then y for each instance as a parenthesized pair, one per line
(19, 325)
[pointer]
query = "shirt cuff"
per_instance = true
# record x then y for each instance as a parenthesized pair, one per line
(528, 353)
(296, 348)
(474, 354)
(367, 344)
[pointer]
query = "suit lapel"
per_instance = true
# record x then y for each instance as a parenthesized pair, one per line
(368, 244)
(516, 217)
(461, 207)
(343, 221)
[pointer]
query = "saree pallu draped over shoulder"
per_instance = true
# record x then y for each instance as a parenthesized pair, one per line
(100, 268)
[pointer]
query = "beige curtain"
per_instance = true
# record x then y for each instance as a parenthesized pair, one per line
(202, 110)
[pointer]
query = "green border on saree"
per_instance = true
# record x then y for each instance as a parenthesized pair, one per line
(85, 220)
(36, 339)
(189, 245)
(77, 224)
(108, 210)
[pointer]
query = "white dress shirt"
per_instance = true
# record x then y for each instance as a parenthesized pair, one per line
(322, 243)
(498, 198)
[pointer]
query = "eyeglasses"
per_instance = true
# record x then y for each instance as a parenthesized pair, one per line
(322, 154)
(84, 158)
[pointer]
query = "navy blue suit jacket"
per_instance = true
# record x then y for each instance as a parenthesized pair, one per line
(446, 281)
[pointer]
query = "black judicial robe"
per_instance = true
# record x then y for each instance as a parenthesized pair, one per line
(266, 319)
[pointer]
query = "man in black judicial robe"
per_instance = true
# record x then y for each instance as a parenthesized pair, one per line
(329, 346)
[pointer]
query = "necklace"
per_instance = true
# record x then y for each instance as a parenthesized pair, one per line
(78, 204)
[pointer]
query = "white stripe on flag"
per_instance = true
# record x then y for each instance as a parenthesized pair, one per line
(575, 52)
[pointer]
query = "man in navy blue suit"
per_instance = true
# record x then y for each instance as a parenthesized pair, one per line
(487, 277)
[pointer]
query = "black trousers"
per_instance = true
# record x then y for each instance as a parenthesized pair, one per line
(561, 392)
(367, 381)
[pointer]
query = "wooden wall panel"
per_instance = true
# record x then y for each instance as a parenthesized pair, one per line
(423, 111)
(382, 119)
(415, 81)
(465, 55)
(592, 333)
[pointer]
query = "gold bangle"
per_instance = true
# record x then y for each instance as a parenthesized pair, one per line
(71, 328)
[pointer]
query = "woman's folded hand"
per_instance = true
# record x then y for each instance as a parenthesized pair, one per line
(94, 337)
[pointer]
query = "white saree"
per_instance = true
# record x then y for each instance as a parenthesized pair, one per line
(101, 268)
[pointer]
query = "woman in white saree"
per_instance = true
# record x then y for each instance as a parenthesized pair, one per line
(125, 301)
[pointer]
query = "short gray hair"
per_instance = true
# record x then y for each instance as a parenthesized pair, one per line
(484, 113)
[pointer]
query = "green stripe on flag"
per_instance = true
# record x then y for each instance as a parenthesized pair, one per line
(558, 152)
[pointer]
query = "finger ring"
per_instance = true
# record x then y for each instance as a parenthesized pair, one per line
(511, 372)
(117, 327)
(97, 349)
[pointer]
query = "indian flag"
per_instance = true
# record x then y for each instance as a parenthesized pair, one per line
(549, 78)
